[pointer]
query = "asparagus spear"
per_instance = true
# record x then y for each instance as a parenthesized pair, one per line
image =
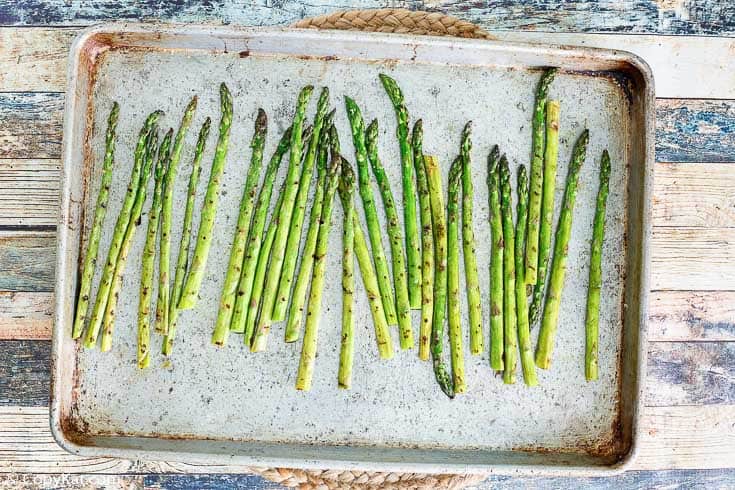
(547, 333)
(100, 210)
(510, 334)
(547, 206)
(346, 189)
(209, 209)
(496, 261)
(427, 242)
(413, 250)
(357, 126)
(595, 282)
(468, 245)
(455, 320)
(278, 249)
(260, 271)
(537, 176)
(182, 260)
(149, 254)
(237, 253)
(524, 332)
(108, 321)
(298, 300)
(299, 210)
(162, 305)
(439, 226)
(121, 225)
(403, 307)
(370, 281)
(255, 237)
(308, 350)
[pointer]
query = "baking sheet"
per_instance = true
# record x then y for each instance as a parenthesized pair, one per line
(229, 394)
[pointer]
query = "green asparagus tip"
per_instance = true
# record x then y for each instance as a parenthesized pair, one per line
(323, 101)
(418, 132)
(504, 171)
(492, 163)
(347, 180)
(334, 140)
(225, 97)
(114, 112)
(545, 81)
(193, 103)
(389, 83)
(352, 108)
(605, 165)
(455, 170)
(371, 133)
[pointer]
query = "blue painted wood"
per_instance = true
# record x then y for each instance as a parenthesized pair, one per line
(208, 482)
(30, 124)
(24, 373)
(679, 373)
(716, 17)
(27, 262)
(687, 130)
(695, 130)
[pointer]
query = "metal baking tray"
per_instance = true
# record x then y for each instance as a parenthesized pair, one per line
(227, 406)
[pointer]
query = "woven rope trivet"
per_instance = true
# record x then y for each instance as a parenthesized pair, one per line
(403, 22)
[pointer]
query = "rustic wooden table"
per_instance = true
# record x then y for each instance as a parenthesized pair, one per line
(688, 436)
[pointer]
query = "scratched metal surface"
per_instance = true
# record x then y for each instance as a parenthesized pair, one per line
(229, 394)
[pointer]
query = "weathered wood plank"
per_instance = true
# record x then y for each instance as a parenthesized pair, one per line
(30, 124)
(691, 315)
(679, 373)
(697, 259)
(691, 130)
(246, 481)
(29, 192)
(33, 59)
(671, 438)
(701, 373)
(28, 261)
(24, 372)
(695, 130)
(694, 194)
(685, 194)
(678, 316)
(642, 16)
(25, 315)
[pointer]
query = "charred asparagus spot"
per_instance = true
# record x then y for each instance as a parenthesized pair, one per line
(118, 234)
(595, 281)
(547, 333)
(100, 211)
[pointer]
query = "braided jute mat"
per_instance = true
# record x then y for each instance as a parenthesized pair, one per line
(403, 22)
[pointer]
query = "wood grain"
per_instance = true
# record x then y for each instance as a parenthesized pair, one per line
(28, 261)
(693, 259)
(691, 315)
(33, 59)
(679, 373)
(694, 194)
(26, 315)
(663, 17)
(671, 438)
(29, 192)
(691, 374)
(686, 129)
(30, 124)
